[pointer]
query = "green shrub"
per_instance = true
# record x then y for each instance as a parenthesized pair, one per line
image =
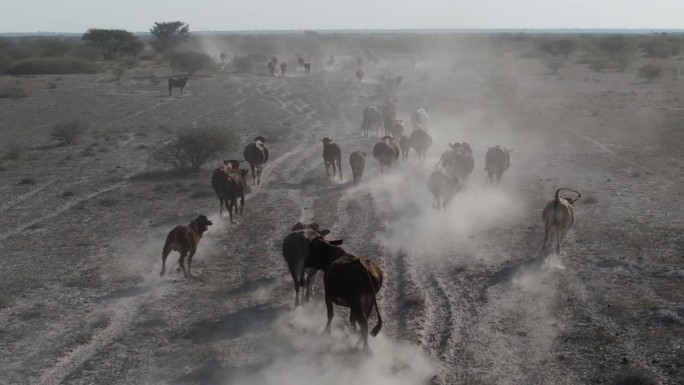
(38, 66)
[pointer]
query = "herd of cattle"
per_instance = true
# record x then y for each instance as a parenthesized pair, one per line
(353, 281)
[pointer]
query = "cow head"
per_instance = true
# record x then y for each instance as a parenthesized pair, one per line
(234, 164)
(326, 141)
(455, 145)
(203, 223)
(387, 138)
(244, 173)
(260, 139)
(322, 253)
(466, 147)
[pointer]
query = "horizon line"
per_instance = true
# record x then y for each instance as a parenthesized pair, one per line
(389, 30)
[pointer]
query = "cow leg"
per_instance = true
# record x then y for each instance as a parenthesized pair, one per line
(295, 279)
(310, 280)
(229, 206)
(242, 202)
(181, 263)
(327, 168)
(181, 90)
(498, 179)
(192, 253)
(329, 308)
(259, 176)
(558, 241)
(170, 88)
(165, 253)
(357, 312)
(339, 166)
(251, 166)
(546, 238)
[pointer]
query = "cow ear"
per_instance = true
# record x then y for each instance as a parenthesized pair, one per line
(324, 232)
(336, 242)
(225, 161)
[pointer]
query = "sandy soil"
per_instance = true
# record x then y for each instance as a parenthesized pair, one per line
(466, 301)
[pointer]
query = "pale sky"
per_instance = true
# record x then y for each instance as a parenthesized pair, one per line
(222, 15)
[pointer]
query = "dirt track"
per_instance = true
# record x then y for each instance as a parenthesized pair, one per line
(465, 300)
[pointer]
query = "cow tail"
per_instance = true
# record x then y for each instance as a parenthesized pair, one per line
(377, 327)
(556, 199)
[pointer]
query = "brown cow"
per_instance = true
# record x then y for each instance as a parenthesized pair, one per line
(386, 152)
(296, 251)
(332, 154)
(307, 68)
(558, 216)
(405, 145)
(219, 181)
(271, 68)
(497, 160)
(396, 128)
(359, 74)
(420, 140)
(349, 281)
(178, 83)
(283, 68)
(184, 239)
(357, 160)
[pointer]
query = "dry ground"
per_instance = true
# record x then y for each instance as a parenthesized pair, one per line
(465, 300)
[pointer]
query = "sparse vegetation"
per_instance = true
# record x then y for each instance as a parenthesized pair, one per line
(51, 85)
(191, 62)
(249, 62)
(634, 376)
(67, 132)
(12, 92)
(27, 181)
(554, 64)
(188, 151)
(650, 72)
(13, 151)
(598, 64)
(68, 193)
(38, 66)
(562, 47)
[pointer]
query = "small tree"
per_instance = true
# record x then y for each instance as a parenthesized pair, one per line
(191, 62)
(67, 132)
(167, 35)
(133, 48)
(650, 72)
(188, 151)
(598, 64)
(623, 59)
(109, 41)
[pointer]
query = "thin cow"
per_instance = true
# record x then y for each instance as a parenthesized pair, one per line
(184, 239)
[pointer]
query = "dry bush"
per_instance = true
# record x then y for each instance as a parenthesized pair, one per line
(191, 62)
(67, 132)
(598, 64)
(650, 72)
(51, 85)
(39, 66)
(28, 181)
(554, 64)
(188, 151)
(118, 72)
(13, 151)
(249, 62)
(623, 59)
(13, 92)
(634, 376)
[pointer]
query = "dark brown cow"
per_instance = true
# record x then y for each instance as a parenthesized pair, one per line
(420, 140)
(349, 281)
(396, 128)
(283, 68)
(497, 160)
(271, 68)
(219, 181)
(332, 155)
(184, 239)
(558, 216)
(389, 114)
(357, 160)
(386, 152)
(300, 61)
(256, 154)
(178, 83)
(296, 251)
(307, 68)
(359, 74)
(372, 119)
(462, 157)
(444, 184)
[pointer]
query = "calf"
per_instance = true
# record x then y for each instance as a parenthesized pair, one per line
(332, 154)
(256, 154)
(349, 281)
(497, 160)
(184, 239)
(558, 217)
(357, 160)
(296, 251)
(178, 83)
(219, 181)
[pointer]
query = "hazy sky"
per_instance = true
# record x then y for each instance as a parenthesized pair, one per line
(138, 15)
